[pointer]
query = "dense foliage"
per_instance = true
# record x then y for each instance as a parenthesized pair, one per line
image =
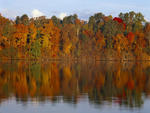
(102, 37)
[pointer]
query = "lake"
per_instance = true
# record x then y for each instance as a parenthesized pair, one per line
(73, 87)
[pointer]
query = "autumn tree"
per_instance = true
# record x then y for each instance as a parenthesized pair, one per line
(50, 37)
(147, 37)
(69, 39)
(24, 19)
(101, 35)
(134, 21)
(70, 19)
(20, 38)
(6, 33)
(57, 22)
(121, 44)
(111, 29)
(96, 22)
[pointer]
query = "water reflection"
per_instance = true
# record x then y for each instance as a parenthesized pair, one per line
(126, 84)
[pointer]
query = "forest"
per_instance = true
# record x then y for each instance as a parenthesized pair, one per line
(101, 37)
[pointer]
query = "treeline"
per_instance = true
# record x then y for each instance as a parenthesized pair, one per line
(102, 37)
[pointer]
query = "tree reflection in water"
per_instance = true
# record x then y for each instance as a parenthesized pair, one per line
(125, 83)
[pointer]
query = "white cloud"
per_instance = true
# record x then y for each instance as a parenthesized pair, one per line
(36, 13)
(62, 15)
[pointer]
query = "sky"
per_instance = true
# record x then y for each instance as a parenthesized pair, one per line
(61, 8)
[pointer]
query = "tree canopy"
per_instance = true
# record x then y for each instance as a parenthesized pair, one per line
(127, 35)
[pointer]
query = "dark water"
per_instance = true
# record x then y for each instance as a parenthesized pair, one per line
(54, 87)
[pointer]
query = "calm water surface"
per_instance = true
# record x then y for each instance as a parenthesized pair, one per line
(54, 87)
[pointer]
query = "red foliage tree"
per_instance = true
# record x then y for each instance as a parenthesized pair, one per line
(130, 37)
(119, 20)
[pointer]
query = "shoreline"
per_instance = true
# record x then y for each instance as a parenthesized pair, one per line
(78, 60)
